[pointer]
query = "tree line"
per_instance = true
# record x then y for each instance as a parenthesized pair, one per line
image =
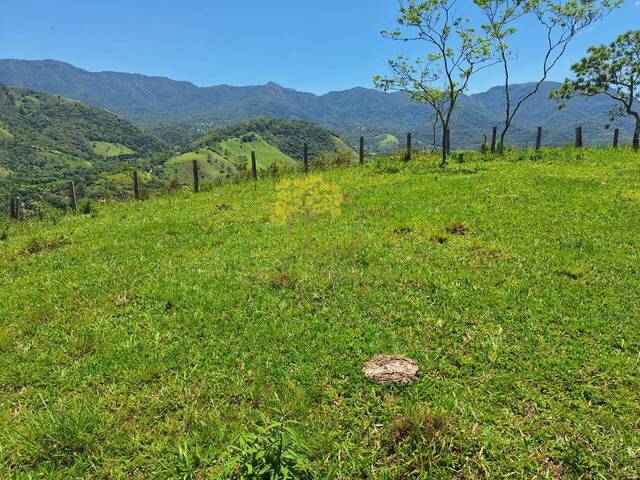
(456, 48)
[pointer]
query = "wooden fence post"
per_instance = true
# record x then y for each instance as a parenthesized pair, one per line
(539, 138)
(578, 137)
(361, 150)
(72, 193)
(254, 167)
(15, 208)
(305, 157)
(12, 208)
(136, 185)
(616, 137)
(196, 177)
(408, 153)
(494, 139)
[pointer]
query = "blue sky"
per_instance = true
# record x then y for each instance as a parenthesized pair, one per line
(315, 46)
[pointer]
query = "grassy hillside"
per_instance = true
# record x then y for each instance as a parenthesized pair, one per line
(288, 136)
(150, 339)
(230, 157)
(108, 149)
(225, 152)
(45, 141)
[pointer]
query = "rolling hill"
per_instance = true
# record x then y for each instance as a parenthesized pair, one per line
(47, 140)
(224, 152)
(168, 106)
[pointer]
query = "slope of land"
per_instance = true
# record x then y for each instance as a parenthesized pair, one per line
(46, 140)
(160, 102)
(224, 152)
(146, 340)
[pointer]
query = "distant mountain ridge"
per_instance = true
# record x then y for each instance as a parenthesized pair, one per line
(152, 101)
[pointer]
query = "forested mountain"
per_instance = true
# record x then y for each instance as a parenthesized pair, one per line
(382, 118)
(46, 140)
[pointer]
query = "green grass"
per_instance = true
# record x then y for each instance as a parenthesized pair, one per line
(211, 165)
(385, 143)
(266, 154)
(106, 149)
(149, 339)
(4, 172)
(70, 159)
(342, 146)
(224, 162)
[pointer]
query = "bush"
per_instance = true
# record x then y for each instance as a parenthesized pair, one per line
(88, 207)
(342, 157)
(44, 211)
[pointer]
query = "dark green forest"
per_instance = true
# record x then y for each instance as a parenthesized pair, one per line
(47, 140)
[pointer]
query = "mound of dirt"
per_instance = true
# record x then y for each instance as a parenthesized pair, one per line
(391, 369)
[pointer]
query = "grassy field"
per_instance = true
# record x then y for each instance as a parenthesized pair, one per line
(266, 154)
(68, 159)
(106, 149)
(213, 165)
(190, 336)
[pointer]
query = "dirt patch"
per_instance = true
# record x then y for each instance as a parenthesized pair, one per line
(399, 431)
(403, 230)
(439, 239)
(421, 429)
(224, 206)
(458, 228)
(569, 274)
(39, 245)
(394, 369)
(283, 280)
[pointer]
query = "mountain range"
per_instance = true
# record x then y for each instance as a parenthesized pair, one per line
(173, 108)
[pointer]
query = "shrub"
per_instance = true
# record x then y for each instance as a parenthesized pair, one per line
(342, 157)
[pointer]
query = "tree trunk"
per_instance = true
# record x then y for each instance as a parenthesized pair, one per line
(444, 143)
(636, 135)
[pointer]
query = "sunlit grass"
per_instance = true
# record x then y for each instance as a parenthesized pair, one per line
(150, 340)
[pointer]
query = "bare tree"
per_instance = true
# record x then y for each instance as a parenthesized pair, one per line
(454, 52)
(560, 20)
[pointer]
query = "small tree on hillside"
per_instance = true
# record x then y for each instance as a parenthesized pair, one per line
(612, 70)
(561, 21)
(454, 53)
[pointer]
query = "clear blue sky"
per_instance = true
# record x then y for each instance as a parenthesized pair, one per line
(315, 46)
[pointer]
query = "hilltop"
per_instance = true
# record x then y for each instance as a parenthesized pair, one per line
(147, 339)
(382, 118)
(47, 140)
(226, 151)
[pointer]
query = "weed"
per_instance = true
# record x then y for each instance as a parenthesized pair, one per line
(63, 435)
(273, 450)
